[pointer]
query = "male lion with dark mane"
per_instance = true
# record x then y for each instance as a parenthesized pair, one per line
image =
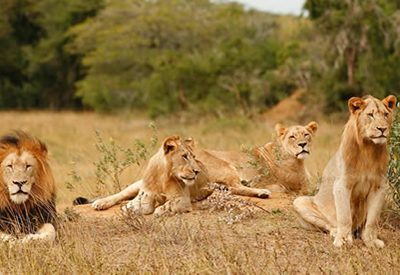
(27, 189)
(354, 181)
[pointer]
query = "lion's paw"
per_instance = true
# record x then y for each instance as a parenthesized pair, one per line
(340, 241)
(375, 243)
(101, 204)
(30, 238)
(160, 211)
(333, 232)
(6, 238)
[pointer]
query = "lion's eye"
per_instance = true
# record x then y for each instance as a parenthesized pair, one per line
(10, 166)
(306, 135)
(185, 156)
(386, 114)
(371, 115)
(292, 137)
(28, 166)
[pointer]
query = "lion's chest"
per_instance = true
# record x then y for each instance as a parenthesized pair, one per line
(22, 221)
(362, 187)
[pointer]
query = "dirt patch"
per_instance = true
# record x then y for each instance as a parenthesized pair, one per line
(275, 202)
(287, 109)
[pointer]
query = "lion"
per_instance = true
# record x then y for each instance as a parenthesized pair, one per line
(27, 189)
(172, 180)
(354, 181)
(227, 168)
(279, 165)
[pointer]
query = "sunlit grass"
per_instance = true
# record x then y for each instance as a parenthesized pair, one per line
(199, 242)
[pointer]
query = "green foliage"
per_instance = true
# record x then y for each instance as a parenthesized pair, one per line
(113, 161)
(394, 164)
(173, 59)
(35, 70)
(203, 56)
(362, 53)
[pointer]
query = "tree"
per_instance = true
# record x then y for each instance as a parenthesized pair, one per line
(361, 34)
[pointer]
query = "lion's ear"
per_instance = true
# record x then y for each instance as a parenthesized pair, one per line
(280, 130)
(170, 144)
(312, 127)
(355, 103)
(390, 101)
(190, 142)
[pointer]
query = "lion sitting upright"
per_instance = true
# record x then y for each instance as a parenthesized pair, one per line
(354, 181)
(28, 192)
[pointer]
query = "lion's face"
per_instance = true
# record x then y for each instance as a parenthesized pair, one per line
(179, 154)
(373, 116)
(19, 173)
(297, 140)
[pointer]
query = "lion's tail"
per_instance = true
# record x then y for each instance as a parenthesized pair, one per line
(82, 200)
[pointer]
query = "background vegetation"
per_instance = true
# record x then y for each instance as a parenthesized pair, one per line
(166, 56)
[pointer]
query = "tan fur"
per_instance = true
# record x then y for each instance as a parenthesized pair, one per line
(172, 180)
(354, 181)
(283, 164)
(16, 151)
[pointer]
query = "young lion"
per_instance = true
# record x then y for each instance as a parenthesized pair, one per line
(172, 180)
(354, 181)
(281, 163)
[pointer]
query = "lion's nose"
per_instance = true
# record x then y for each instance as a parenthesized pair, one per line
(19, 183)
(302, 144)
(382, 129)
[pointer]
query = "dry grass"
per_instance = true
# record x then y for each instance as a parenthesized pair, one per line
(195, 243)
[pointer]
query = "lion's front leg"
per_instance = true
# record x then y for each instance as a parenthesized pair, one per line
(142, 204)
(375, 202)
(342, 197)
(107, 202)
(46, 233)
(177, 205)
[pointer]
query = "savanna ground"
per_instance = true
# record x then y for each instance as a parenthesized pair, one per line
(201, 242)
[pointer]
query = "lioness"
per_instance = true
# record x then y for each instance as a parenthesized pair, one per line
(354, 181)
(227, 168)
(281, 163)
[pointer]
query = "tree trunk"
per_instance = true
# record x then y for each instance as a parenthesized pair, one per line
(351, 56)
(182, 100)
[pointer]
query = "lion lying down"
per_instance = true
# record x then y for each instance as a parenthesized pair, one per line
(28, 192)
(172, 180)
(278, 166)
(174, 177)
(354, 181)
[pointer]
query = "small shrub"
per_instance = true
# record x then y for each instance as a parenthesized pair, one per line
(234, 208)
(394, 164)
(113, 161)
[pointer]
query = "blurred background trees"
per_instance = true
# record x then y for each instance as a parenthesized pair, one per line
(166, 56)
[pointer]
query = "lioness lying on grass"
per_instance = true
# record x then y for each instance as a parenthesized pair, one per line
(174, 177)
(279, 165)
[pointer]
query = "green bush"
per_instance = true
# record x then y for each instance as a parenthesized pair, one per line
(394, 164)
